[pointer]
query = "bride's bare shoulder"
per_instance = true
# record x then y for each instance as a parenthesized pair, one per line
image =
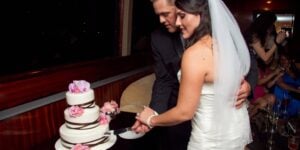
(199, 50)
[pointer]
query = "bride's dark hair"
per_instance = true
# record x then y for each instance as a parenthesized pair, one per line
(197, 7)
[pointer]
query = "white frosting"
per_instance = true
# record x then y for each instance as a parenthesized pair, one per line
(111, 141)
(90, 115)
(76, 129)
(82, 136)
(80, 98)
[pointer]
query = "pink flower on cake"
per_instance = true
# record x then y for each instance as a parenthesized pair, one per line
(75, 111)
(103, 119)
(79, 86)
(80, 147)
(110, 107)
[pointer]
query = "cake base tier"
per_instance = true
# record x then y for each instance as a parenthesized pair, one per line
(83, 136)
(112, 140)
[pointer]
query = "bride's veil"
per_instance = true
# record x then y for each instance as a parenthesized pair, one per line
(232, 64)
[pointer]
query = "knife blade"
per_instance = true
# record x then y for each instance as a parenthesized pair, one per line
(121, 130)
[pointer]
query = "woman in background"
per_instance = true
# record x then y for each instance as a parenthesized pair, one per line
(262, 97)
(262, 42)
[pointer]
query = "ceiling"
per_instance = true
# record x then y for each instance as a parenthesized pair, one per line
(269, 5)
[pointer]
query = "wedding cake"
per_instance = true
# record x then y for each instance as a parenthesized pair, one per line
(86, 125)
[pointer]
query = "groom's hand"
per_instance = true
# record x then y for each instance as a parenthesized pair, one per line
(139, 127)
(243, 93)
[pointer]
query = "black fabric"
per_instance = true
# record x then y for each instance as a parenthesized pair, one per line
(167, 51)
(252, 76)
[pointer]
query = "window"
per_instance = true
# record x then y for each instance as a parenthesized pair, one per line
(143, 23)
(45, 33)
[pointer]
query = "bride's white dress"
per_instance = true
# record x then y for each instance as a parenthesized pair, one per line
(205, 137)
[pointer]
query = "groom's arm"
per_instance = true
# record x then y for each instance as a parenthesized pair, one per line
(243, 93)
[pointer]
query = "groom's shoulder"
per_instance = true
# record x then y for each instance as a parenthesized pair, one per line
(162, 33)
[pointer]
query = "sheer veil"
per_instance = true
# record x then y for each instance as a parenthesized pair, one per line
(232, 64)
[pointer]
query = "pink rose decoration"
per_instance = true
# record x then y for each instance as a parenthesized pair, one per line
(75, 111)
(110, 107)
(115, 105)
(103, 119)
(79, 86)
(80, 147)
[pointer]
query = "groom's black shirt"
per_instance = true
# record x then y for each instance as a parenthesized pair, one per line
(167, 50)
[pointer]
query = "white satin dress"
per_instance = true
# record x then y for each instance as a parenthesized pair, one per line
(205, 137)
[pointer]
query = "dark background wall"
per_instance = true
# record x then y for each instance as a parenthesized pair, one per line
(143, 23)
(43, 33)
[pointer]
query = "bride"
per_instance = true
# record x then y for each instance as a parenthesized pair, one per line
(212, 68)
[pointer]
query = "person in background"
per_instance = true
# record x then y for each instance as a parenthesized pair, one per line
(262, 97)
(198, 74)
(288, 84)
(167, 48)
(263, 42)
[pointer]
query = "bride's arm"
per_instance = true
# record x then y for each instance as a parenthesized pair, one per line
(196, 62)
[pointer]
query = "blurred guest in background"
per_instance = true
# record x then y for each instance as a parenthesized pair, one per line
(262, 42)
(262, 96)
(287, 86)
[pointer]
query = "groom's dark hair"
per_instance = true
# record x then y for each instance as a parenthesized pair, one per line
(169, 1)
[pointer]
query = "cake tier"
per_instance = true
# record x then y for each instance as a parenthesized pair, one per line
(104, 146)
(80, 98)
(88, 119)
(70, 137)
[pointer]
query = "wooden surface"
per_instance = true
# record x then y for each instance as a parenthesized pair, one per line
(22, 88)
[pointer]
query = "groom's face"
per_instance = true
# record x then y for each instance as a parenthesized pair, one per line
(167, 14)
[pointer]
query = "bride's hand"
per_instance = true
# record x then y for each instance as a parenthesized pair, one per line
(146, 115)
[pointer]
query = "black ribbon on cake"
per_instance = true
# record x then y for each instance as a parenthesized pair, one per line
(101, 140)
(89, 105)
(82, 126)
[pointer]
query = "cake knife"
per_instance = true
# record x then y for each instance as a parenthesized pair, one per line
(121, 130)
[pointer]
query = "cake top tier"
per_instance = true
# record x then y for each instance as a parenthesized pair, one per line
(80, 93)
(79, 86)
